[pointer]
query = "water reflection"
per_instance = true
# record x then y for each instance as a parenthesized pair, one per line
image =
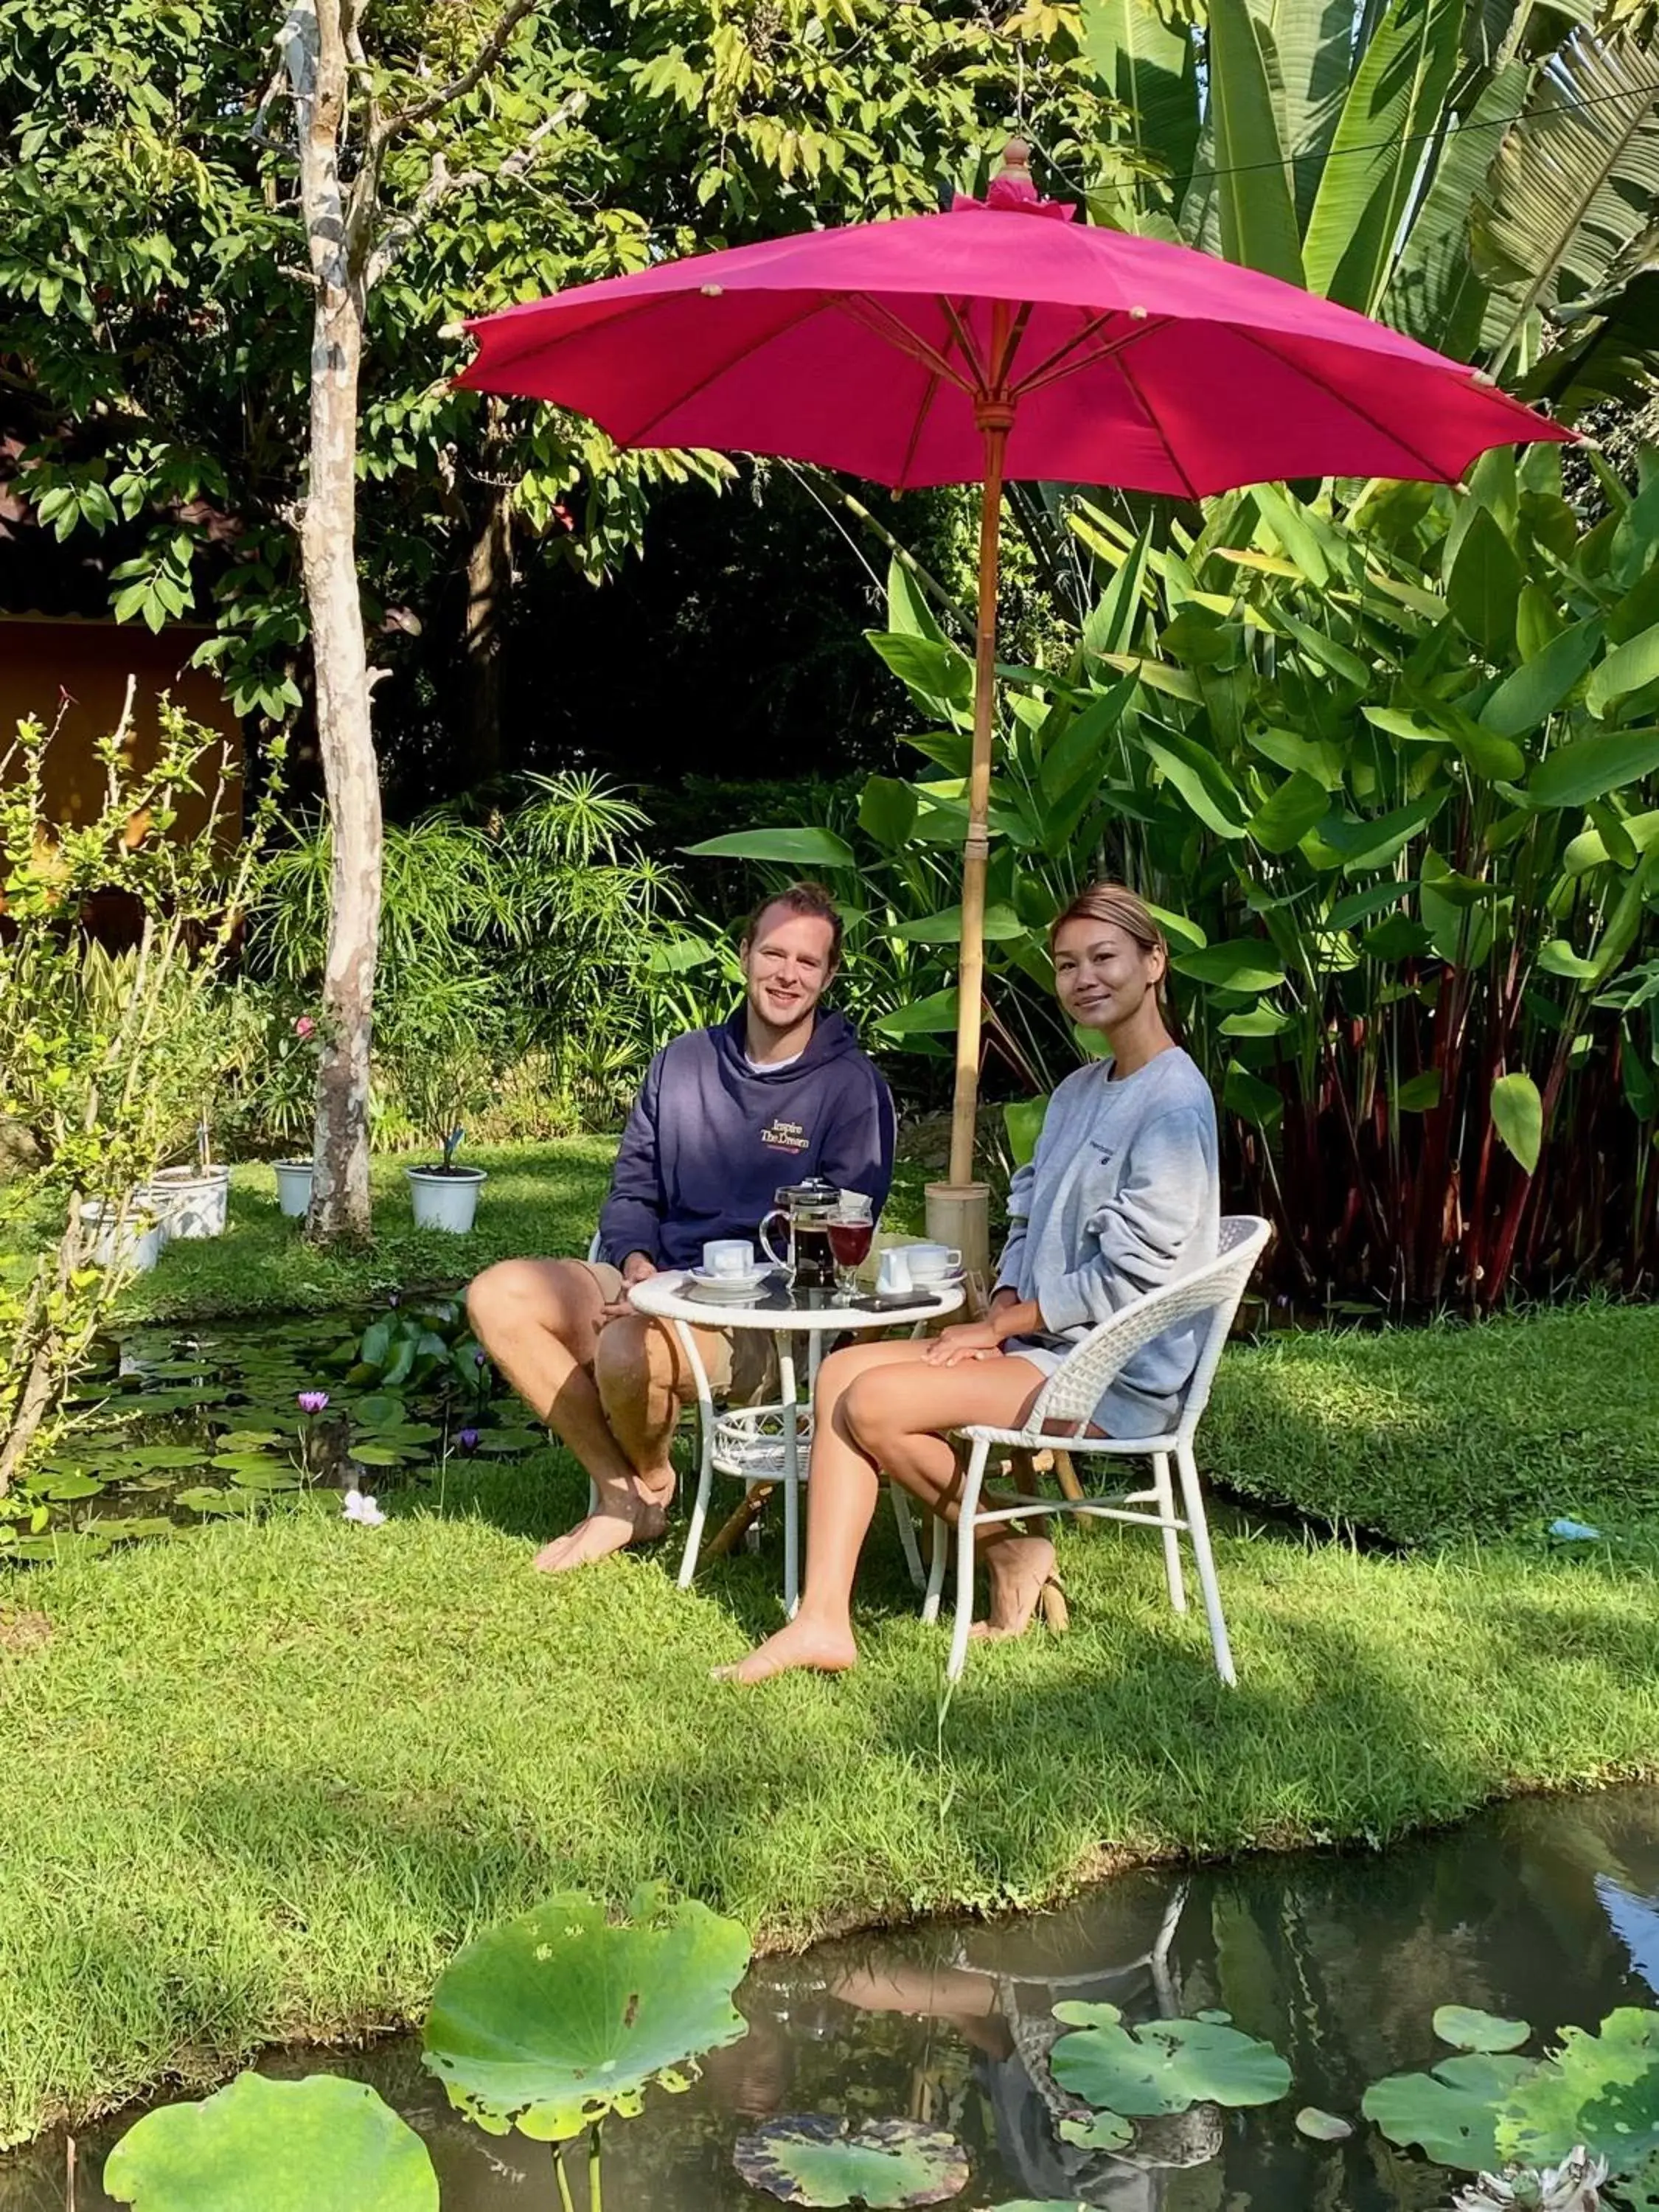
(1546, 1909)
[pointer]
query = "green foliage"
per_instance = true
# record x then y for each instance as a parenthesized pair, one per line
(815, 2158)
(1598, 2093)
(1483, 180)
(105, 1059)
(552, 2020)
(530, 934)
(147, 243)
(320, 2145)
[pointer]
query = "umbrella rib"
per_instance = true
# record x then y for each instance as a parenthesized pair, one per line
(750, 345)
(1152, 423)
(917, 427)
(888, 328)
(1057, 366)
(1435, 473)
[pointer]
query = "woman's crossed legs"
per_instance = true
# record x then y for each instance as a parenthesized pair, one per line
(883, 1409)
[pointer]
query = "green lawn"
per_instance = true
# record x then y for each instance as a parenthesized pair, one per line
(1448, 1432)
(260, 1781)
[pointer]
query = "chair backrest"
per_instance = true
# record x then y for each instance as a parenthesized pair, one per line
(1076, 1385)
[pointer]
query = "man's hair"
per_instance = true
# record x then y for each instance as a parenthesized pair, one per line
(804, 899)
(1118, 904)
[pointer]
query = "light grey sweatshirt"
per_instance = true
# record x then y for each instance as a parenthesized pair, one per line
(1121, 1197)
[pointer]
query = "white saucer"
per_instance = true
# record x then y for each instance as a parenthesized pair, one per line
(733, 1289)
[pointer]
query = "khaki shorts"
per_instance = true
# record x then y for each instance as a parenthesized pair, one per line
(741, 1364)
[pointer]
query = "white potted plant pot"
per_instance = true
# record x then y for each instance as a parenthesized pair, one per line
(190, 1202)
(134, 1243)
(294, 1188)
(445, 1198)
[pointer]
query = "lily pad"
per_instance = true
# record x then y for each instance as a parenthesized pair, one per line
(252, 1440)
(1164, 2065)
(498, 1443)
(116, 1529)
(815, 2158)
(1323, 2127)
(1451, 2114)
(1468, 2029)
(213, 1501)
(551, 2020)
(63, 1489)
(151, 1455)
(320, 2145)
(380, 1455)
(268, 1475)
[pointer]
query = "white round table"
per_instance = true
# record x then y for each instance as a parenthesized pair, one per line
(762, 1443)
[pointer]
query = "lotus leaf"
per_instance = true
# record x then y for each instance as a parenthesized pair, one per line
(1469, 2030)
(1602, 2090)
(1450, 2114)
(814, 2158)
(551, 2020)
(379, 1410)
(1100, 2131)
(321, 2145)
(1165, 2065)
(1323, 2127)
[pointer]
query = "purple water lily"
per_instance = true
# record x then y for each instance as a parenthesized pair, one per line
(481, 1358)
(311, 1401)
(468, 1440)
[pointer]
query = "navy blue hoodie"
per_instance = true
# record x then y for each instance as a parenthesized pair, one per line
(711, 1139)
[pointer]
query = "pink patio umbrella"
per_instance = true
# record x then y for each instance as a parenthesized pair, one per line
(1000, 340)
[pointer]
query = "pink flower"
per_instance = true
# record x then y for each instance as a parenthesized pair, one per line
(304, 1027)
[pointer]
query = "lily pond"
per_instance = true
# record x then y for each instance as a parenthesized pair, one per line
(1277, 2034)
(176, 1426)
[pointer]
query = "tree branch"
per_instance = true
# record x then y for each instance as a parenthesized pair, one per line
(441, 185)
(478, 69)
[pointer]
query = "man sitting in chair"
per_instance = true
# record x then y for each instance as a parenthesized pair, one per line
(778, 1092)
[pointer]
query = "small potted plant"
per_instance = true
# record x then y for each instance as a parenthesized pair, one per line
(445, 1196)
(443, 1057)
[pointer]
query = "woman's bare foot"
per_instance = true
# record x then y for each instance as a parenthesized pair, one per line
(635, 1514)
(1018, 1567)
(804, 1643)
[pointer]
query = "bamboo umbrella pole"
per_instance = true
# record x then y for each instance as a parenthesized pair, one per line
(995, 419)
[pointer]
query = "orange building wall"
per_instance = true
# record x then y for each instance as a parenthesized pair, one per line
(42, 659)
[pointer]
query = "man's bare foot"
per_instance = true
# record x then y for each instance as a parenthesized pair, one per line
(1017, 1568)
(804, 1643)
(634, 1515)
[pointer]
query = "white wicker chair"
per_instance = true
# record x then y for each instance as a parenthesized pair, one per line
(1071, 1394)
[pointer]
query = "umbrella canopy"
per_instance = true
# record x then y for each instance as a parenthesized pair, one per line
(1000, 339)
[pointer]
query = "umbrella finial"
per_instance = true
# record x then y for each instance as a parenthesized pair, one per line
(1013, 182)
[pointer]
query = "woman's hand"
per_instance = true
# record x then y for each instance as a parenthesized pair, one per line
(965, 1340)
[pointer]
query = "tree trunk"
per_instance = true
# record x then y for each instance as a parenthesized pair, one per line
(316, 38)
(489, 577)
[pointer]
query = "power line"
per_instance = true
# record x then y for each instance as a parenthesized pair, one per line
(1644, 91)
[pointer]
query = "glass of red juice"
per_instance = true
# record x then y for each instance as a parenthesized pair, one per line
(850, 1232)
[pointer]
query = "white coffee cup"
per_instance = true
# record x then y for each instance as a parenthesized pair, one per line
(893, 1273)
(928, 1262)
(730, 1256)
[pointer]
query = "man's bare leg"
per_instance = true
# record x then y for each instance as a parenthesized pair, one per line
(541, 1321)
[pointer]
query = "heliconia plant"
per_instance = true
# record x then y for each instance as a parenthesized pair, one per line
(1385, 761)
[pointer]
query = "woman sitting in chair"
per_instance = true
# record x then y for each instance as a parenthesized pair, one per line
(1120, 1198)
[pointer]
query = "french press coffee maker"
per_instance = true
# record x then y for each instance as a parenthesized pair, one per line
(805, 1209)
